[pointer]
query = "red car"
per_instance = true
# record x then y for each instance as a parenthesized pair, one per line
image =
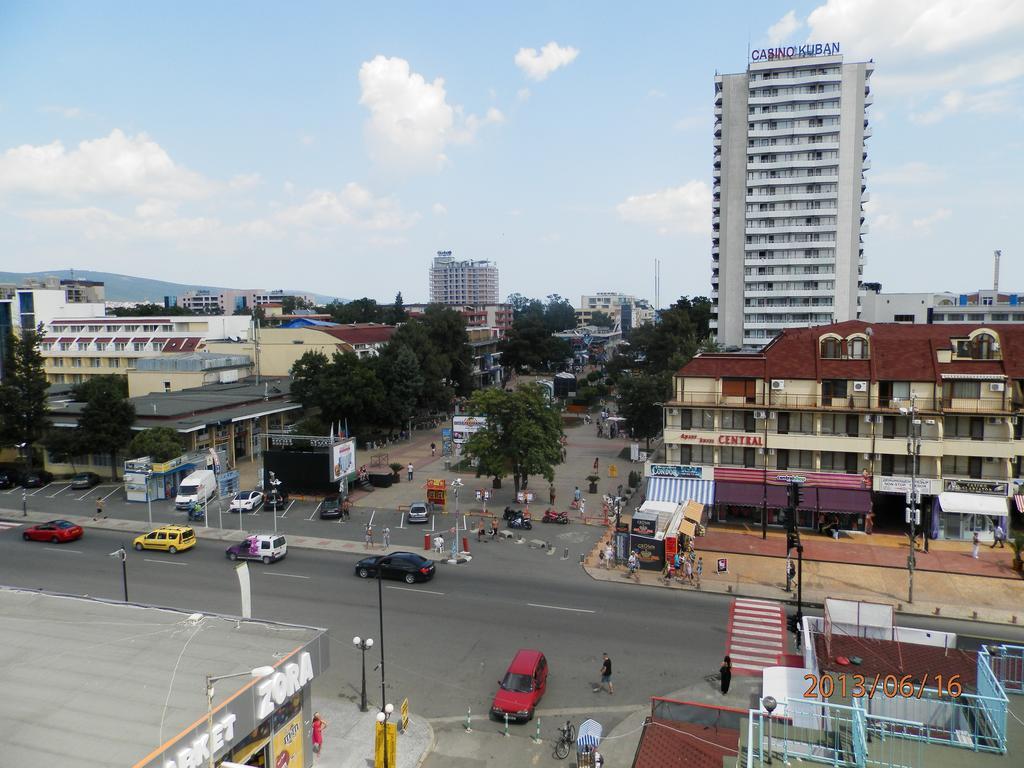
(55, 532)
(522, 687)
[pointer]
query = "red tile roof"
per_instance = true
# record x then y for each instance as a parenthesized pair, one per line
(897, 352)
(674, 744)
(365, 333)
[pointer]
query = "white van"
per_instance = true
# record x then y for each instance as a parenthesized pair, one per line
(200, 486)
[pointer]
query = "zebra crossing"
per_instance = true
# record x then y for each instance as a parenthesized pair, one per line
(757, 635)
(5, 524)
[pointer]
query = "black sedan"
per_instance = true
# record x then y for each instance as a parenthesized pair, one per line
(8, 478)
(407, 566)
(36, 478)
(84, 480)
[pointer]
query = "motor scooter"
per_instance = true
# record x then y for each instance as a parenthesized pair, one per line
(196, 515)
(520, 522)
(554, 516)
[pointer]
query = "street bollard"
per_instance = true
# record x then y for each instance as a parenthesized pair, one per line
(565, 553)
(469, 728)
(536, 738)
(506, 724)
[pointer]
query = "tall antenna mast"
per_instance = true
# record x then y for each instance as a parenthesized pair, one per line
(995, 278)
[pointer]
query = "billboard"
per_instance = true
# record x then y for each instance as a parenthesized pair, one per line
(464, 426)
(343, 460)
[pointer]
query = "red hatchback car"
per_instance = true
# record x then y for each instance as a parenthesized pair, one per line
(55, 532)
(521, 689)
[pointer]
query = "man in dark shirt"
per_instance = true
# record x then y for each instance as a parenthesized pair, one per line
(606, 674)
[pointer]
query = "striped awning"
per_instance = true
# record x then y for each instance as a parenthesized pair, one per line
(589, 734)
(1019, 501)
(680, 489)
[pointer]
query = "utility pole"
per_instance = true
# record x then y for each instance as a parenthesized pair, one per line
(913, 516)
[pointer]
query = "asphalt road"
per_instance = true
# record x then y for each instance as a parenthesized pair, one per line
(446, 642)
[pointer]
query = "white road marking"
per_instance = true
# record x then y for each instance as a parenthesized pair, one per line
(401, 521)
(561, 608)
(289, 575)
(760, 640)
(418, 591)
(754, 621)
(374, 512)
(758, 651)
(766, 660)
(5, 524)
(15, 488)
(751, 601)
(314, 513)
(37, 490)
(162, 562)
(288, 508)
(112, 493)
(58, 548)
(58, 493)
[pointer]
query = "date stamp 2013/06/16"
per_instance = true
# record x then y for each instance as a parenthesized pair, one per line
(891, 686)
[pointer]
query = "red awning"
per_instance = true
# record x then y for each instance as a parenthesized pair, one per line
(750, 494)
(124, 339)
(844, 500)
(141, 340)
(190, 343)
(102, 340)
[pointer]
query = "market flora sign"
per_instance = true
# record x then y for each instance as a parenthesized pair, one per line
(198, 753)
(794, 51)
(280, 686)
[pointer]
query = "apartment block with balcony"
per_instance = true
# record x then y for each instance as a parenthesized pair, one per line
(835, 405)
(456, 282)
(787, 196)
(628, 311)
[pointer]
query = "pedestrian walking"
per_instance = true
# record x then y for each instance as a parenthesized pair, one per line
(494, 526)
(583, 506)
(576, 495)
(606, 675)
(480, 531)
(633, 564)
(998, 535)
(869, 523)
(725, 675)
(688, 571)
(409, 470)
(597, 462)
(609, 555)
(551, 494)
(433, 450)
(790, 574)
(700, 570)
(387, 537)
(319, 724)
(368, 538)
(975, 543)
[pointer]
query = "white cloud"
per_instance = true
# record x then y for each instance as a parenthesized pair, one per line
(411, 121)
(538, 65)
(783, 29)
(925, 223)
(913, 26)
(154, 208)
(523, 94)
(100, 224)
(116, 164)
(438, 209)
(878, 217)
(914, 172)
(673, 210)
(69, 113)
(355, 206)
(995, 101)
(244, 181)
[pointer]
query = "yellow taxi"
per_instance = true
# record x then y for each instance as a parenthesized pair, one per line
(169, 538)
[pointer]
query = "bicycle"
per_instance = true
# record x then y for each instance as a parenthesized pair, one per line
(566, 737)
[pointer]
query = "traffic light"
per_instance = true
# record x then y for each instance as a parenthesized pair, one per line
(792, 541)
(796, 495)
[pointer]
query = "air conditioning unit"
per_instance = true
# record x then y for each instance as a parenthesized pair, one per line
(759, 414)
(868, 418)
(860, 386)
(1014, 420)
(996, 386)
(878, 457)
(991, 459)
(771, 451)
(778, 384)
(772, 415)
(867, 457)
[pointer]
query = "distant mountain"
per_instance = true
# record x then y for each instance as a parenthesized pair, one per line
(128, 288)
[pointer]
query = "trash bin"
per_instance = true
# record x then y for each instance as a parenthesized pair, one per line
(426, 541)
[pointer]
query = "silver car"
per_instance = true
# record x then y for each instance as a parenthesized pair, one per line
(418, 512)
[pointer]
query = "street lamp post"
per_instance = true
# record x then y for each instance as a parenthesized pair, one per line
(382, 717)
(380, 615)
(123, 554)
(764, 478)
(149, 498)
(364, 646)
(273, 482)
(913, 516)
(255, 673)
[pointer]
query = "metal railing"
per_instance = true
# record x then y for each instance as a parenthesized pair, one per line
(1007, 663)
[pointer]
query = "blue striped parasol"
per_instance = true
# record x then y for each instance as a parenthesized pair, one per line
(589, 734)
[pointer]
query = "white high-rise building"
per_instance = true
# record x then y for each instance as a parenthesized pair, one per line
(463, 282)
(788, 192)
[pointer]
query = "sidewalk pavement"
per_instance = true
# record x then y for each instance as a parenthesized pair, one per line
(349, 736)
(953, 593)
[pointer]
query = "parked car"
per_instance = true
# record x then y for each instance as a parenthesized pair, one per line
(407, 566)
(36, 478)
(246, 501)
(277, 497)
(85, 480)
(418, 512)
(169, 538)
(522, 687)
(8, 478)
(55, 532)
(330, 508)
(268, 548)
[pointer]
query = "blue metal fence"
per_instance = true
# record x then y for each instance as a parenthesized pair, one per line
(1007, 663)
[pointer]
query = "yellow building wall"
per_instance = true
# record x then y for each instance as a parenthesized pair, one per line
(280, 348)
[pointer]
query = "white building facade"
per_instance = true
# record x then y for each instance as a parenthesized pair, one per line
(985, 306)
(788, 192)
(463, 282)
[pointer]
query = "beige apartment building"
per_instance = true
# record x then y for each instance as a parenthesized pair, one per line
(833, 406)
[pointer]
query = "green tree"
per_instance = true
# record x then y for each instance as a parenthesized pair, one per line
(522, 435)
(601, 319)
(290, 303)
(345, 389)
(670, 343)
(447, 331)
(529, 345)
(559, 314)
(23, 393)
(397, 313)
(364, 310)
(398, 369)
(115, 384)
(150, 310)
(107, 418)
(64, 444)
(640, 401)
(159, 443)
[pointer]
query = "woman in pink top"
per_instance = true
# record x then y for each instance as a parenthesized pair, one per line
(318, 732)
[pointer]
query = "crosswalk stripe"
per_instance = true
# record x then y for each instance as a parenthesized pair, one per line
(7, 524)
(754, 621)
(755, 649)
(751, 601)
(766, 660)
(752, 612)
(751, 667)
(756, 635)
(759, 640)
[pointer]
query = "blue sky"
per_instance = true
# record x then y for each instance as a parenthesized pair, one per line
(334, 147)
